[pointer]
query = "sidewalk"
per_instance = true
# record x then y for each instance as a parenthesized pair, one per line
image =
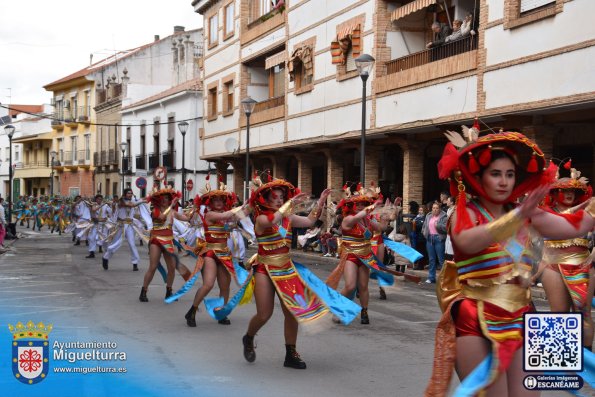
(316, 257)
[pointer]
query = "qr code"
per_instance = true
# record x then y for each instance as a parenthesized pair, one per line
(553, 342)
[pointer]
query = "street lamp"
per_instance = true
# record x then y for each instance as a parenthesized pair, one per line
(248, 106)
(123, 146)
(183, 127)
(364, 64)
(53, 155)
(9, 129)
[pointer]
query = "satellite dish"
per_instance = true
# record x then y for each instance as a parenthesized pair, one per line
(231, 145)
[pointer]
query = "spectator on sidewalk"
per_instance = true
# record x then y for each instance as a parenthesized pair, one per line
(311, 236)
(2, 223)
(448, 250)
(434, 231)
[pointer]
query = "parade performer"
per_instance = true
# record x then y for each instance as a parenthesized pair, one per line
(355, 250)
(60, 214)
(218, 262)
(78, 212)
(481, 330)
(566, 264)
(127, 227)
(304, 298)
(164, 202)
(100, 225)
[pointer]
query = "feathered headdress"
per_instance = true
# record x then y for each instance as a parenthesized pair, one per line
(576, 182)
(229, 198)
(466, 155)
(361, 195)
(260, 190)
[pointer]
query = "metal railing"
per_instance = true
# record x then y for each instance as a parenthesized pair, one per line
(140, 162)
(112, 157)
(67, 158)
(153, 160)
(80, 156)
(126, 164)
(96, 158)
(84, 113)
(269, 104)
(168, 159)
(57, 118)
(33, 164)
(424, 57)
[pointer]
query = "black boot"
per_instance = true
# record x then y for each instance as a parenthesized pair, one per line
(73, 236)
(143, 295)
(292, 358)
(91, 254)
(78, 242)
(87, 243)
(104, 263)
(168, 292)
(249, 353)
(100, 249)
(134, 267)
(382, 294)
(191, 316)
(364, 316)
(224, 321)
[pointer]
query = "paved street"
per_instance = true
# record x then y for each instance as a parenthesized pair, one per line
(43, 277)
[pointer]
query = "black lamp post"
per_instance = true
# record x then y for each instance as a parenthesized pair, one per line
(123, 146)
(183, 127)
(248, 106)
(364, 64)
(52, 157)
(9, 129)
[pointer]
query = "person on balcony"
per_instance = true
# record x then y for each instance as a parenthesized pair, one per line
(466, 26)
(456, 31)
(441, 32)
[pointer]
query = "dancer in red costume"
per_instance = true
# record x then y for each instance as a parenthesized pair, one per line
(164, 202)
(357, 257)
(218, 263)
(566, 263)
(485, 296)
(274, 271)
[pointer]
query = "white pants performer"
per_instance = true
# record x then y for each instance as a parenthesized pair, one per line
(130, 235)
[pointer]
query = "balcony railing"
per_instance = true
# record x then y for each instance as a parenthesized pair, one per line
(127, 164)
(84, 113)
(424, 57)
(57, 118)
(101, 95)
(96, 158)
(103, 159)
(153, 160)
(112, 157)
(33, 164)
(140, 162)
(269, 104)
(80, 156)
(168, 159)
(67, 158)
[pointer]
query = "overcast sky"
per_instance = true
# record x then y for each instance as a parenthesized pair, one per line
(42, 41)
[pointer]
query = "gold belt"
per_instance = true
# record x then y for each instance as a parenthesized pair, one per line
(161, 227)
(274, 260)
(216, 246)
(126, 221)
(577, 242)
(568, 258)
(510, 297)
(101, 219)
(360, 249)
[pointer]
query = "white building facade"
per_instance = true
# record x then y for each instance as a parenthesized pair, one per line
(521, 68)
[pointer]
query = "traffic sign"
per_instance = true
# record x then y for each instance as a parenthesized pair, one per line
(160, 173)
(141, 182)
(189, 185)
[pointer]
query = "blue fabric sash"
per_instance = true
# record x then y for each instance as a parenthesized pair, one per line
(403, 249)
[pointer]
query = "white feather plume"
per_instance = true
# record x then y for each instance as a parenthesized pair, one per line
(455, 138)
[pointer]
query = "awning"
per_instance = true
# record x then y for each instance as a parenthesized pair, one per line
(303, 55)
(410, 8)
(275, 60)
(349, 35)
(31, 138)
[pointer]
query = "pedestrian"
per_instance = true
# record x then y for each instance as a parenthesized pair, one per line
(2, 223)
(434, 231)
(481, 330)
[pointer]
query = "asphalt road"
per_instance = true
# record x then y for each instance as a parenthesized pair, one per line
(43, 277)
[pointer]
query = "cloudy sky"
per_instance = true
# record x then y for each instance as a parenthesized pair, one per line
(42, 41)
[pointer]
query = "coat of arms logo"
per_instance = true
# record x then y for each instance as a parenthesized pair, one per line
(30, 351)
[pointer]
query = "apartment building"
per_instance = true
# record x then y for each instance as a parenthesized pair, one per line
(522, 68)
